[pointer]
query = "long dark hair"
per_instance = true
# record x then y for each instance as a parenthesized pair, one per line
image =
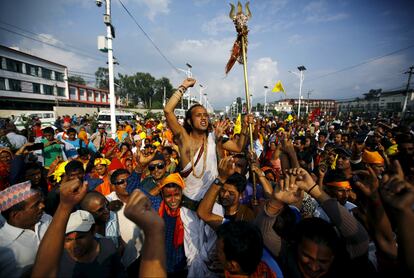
(188, 127)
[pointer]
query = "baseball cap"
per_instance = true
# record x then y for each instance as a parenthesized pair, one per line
(101, 126)
(79, 221)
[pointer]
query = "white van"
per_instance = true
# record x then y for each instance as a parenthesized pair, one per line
(104, 117)
(47, 118)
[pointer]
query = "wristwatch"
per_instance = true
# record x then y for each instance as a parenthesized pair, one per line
(218, 182)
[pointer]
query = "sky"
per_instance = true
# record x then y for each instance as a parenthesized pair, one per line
(347, 47)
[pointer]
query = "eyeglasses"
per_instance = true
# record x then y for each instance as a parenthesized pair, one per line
(121, 182)
(159, 165)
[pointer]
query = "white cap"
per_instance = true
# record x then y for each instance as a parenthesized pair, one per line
(79, 221)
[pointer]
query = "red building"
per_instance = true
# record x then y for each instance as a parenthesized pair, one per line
(88, 96)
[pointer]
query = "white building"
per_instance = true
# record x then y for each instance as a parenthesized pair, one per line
(283, 106)
(376, 102)
(28, 82)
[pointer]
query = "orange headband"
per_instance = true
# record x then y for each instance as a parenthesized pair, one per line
(342, 184)
(173, 178)
(372, 157)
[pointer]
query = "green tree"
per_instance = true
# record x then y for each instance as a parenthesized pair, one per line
(76, 80)
(144, 87)
(102, 78)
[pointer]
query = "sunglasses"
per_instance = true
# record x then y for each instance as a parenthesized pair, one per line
(159, 165)
(121, 182)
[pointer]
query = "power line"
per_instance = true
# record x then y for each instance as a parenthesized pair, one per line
(362, 63)
(50, 44)
(149, 38)
(48, 40)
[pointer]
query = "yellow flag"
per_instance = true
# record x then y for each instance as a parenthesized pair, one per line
(237, 125)
(278, 87)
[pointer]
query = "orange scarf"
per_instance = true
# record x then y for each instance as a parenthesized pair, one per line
(179, 227)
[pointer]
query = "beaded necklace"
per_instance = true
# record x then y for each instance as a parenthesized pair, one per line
(204, 160)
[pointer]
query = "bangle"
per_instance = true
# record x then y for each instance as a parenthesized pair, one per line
(312, 188)
(182, 88)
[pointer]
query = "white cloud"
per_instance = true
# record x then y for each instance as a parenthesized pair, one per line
(155, 7)
(295, 39)
(219, 24)
(317, 11)
(73, 61)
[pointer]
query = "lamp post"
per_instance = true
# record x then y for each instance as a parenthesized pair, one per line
(265, 104)
(301, 78)
(202, 88)
(109, 36)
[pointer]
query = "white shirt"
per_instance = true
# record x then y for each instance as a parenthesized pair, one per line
(320, 213)
(131, 234)
(18, 247)
(16, 140)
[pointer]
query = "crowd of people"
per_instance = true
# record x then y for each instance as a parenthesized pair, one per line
(318, 197)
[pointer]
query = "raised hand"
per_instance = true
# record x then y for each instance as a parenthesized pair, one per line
(221, 128)
(288, 191)
(287, 144)
(248, 119)
(139, 210)
(226, 168)
(188, 82)
(369, 184)
(72, 191)
(396, 192)
(303, 179)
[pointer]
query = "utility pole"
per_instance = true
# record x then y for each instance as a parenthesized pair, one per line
(112, 99)
(307, 105)
(409, 72)
(163, 100)
(265, 104)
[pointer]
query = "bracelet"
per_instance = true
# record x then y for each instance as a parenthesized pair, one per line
(312, 188)
(182, 89)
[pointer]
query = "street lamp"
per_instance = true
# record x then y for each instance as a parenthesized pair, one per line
(202, 88)
(301, 78)
(110, 34)
(265, 104)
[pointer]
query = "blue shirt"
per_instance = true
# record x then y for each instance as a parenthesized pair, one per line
(176, 260)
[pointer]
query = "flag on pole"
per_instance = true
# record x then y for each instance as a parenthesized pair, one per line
(278, 87)
(237, 125)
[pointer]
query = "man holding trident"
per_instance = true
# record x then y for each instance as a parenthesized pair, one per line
(197, 148)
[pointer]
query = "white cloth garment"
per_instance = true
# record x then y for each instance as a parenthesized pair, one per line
(199, 238)
(16, 140)
(18, 247)
(130, 233)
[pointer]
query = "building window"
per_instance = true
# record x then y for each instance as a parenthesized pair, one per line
(46, 73)
(32, 70)
(36, 88)
(15, 85)
(60, 91)
(103, 97)
(2, 83)
(90, 95)
(59, 76)
(13, 65)
(82, 95)
(48, 90)
(72, 93)
(97, 97)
